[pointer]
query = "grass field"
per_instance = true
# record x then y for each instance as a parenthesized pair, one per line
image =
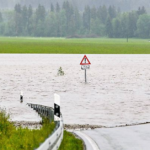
(73, 46)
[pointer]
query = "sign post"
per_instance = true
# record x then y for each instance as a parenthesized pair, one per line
(21, 97)
(85, 71)
(85, 65)
(56, 107)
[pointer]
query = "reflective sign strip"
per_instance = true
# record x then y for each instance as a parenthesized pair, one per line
(56, 107)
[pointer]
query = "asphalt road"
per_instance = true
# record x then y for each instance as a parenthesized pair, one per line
(120, 138)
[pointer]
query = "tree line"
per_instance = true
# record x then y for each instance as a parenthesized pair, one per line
(67, 21)
(125, 5)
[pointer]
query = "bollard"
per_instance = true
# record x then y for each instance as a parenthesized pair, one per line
(21, 97)
(56, 107)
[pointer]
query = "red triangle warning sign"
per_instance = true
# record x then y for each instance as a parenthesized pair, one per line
(85, 61)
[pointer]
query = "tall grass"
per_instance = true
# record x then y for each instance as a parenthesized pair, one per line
(22, 138)
(70, 142)
(12, 138)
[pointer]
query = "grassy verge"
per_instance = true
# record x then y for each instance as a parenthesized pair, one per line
(26, 139)
(74, 46)
(21, 139)
(70, 142)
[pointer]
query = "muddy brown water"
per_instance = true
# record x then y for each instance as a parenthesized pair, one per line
(117, 92)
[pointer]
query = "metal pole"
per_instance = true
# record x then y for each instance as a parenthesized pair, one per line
(85, 75)
(85, 71)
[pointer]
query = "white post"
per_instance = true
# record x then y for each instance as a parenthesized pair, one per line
(21, 97)
(56, 107)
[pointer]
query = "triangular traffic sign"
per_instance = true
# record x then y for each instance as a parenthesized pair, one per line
(85, 59)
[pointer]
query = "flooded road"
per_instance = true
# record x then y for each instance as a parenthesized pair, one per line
(117, 92)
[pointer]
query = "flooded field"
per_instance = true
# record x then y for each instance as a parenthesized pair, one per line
(117, 92)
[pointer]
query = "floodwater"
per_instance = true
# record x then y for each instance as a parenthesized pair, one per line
(117, 92)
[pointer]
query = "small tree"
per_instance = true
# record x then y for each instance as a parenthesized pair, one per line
(60, 72)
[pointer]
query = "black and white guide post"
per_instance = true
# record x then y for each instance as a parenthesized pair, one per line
(21, 97)
(56, 107)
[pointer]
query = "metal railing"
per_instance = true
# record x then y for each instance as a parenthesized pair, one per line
(54, 140)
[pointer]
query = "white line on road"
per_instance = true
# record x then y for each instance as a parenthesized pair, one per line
(91, 141)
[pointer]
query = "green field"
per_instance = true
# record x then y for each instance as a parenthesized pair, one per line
(73, 46)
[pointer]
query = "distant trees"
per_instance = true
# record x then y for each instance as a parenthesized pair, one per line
(68, 21)
(102, 14)
(116, 28)
(1, 18)
(143, 26)
(86, 19)
(52, 8)
(141, 10)
(112, 12)
(57, 8)
(109, 27)
(1, 24)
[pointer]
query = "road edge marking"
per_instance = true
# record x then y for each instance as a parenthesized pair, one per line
(89, 139)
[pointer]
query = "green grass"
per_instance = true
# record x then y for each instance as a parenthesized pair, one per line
(70, 142)
(12, 138)
(22, 139)
(74, 46)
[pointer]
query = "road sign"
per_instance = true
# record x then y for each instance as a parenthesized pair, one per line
(85, 64)
(83, 61)
(84, 67)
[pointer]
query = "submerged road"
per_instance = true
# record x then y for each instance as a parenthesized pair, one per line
(117, 92)
(120, 138)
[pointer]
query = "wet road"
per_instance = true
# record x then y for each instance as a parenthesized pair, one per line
(122, 138)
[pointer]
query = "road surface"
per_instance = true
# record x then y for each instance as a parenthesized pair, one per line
(120, 138)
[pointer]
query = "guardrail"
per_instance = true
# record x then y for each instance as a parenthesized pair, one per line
(54, 140)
